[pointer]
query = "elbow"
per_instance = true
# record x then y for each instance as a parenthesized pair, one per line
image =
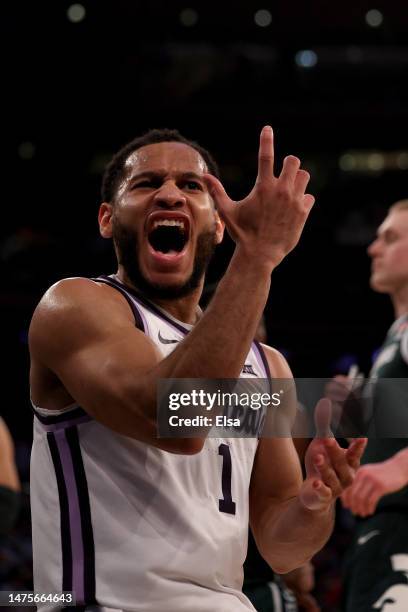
(292, 562)
(282, 568)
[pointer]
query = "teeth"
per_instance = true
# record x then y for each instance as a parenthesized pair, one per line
(168, 222)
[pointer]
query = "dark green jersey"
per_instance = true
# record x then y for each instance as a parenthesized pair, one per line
(390, 400)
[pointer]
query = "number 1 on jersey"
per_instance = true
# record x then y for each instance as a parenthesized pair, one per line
(226, 504)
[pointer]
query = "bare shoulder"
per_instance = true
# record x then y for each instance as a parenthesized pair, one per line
(77, 295)
(278, 365)
(75, 304)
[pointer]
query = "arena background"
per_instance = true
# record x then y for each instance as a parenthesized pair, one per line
(80, 80)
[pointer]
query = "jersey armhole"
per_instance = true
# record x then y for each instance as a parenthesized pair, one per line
(264, 359)
(136, 314)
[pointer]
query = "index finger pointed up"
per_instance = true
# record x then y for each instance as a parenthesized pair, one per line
(322, 418)
(266, 154)
(216, 190)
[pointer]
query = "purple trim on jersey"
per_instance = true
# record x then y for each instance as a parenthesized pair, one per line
(140, 320)
(147, 304)
(64, 515)
(63, 417)
(77, 540)
(72, 437)
(261, 358)
(64, 424)
(77, 545)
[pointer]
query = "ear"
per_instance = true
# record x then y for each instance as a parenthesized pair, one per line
(219, 228)
(105, 219)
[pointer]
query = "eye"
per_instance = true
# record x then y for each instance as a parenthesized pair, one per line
(146, 184)
(193, 185)
(390, 237)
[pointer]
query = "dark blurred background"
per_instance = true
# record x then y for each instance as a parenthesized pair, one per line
(80, 80)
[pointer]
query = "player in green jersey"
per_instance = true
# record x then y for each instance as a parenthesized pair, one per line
(377, 566)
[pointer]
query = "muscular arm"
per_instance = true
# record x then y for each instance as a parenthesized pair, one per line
(292, 518)
(287, 534)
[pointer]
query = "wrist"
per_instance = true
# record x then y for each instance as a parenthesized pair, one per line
(400, 460)
(248, 261)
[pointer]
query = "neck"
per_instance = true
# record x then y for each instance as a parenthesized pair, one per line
(400, 301)
(185, 309)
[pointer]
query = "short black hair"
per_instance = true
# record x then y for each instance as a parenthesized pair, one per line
(115, 170)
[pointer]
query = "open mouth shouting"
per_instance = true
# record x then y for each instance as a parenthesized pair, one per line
(168, 234)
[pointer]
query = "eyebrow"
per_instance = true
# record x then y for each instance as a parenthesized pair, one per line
(162, 173)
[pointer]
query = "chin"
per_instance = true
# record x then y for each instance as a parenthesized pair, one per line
(380, 285)
(172, 280)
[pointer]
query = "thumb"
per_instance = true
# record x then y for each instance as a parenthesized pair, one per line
(216, 190)
(322, 418)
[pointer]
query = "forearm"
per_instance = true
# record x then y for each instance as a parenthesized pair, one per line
(217, 346)
(290, 539)
(227, 327)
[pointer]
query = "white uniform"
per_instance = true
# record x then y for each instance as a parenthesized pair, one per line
(128, 526)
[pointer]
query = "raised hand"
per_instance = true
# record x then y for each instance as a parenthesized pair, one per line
(269, 221)
(330, 469)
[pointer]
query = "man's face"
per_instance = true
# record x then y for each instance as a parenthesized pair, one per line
(163, 223)
(389, 254)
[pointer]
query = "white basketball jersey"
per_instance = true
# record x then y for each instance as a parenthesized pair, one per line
(131, 527)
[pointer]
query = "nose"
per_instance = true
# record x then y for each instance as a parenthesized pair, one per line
(374, 248)
(169, 196)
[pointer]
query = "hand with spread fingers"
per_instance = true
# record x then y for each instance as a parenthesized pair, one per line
(373, 481)
(330, 469)
(269, 221)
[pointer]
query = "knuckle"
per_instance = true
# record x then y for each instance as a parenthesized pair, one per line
(282, 192)
(304, 174)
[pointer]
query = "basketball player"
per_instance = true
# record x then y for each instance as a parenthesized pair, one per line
(123, 518)
(9, 482)
(377, 567)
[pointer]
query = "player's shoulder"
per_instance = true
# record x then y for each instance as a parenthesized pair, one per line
(72, 289)
(78, 293)
(78, 303)
(278, 365)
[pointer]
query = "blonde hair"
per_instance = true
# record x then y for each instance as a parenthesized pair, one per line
(400, 205)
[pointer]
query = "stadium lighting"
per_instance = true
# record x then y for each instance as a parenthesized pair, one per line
(263, 18)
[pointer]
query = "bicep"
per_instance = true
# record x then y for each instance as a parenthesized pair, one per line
(97, 353)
